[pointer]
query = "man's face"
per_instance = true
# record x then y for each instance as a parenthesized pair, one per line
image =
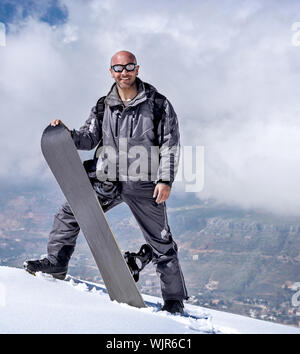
(124, 79)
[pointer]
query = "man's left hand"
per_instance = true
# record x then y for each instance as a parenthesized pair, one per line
(161, 192)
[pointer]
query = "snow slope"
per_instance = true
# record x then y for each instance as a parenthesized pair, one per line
(41, 304)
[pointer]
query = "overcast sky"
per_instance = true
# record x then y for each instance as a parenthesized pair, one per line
(229, 68)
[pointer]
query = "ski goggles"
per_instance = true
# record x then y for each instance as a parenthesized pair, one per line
(118, 68)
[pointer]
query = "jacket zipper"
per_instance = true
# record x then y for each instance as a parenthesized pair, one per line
(131, 125)
(118, 116)
(117, 124)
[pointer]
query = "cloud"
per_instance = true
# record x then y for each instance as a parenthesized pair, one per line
(229, 69)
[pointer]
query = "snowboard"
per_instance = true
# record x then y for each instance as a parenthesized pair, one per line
(64, 161)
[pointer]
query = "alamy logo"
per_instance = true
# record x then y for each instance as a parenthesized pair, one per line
(138, 163)
(296, 296)
(2, 295)
(296, 36)
(2, 35)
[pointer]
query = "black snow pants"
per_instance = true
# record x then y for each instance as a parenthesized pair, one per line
(150, 216)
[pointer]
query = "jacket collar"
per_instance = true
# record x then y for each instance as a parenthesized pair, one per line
(113, 98)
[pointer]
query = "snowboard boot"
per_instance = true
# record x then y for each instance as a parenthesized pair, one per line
(173, 306)
(57, 271)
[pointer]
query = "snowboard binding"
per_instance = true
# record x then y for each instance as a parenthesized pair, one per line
(137, 261)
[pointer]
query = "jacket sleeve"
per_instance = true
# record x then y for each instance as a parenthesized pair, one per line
(89, 135)
(169, 145)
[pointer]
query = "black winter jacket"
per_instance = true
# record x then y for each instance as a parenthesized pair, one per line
(133, 144)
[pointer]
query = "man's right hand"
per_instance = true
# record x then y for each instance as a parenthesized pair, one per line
(57, 122)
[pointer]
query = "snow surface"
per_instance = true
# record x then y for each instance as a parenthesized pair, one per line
(42, 304)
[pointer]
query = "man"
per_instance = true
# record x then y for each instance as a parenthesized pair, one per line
(129, 117)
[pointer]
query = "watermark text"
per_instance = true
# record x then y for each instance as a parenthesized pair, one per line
(295, 40)
(296, 296)
(2, 35)
(2, 295)
(140, 163)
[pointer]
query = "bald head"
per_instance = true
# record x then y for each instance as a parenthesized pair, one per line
(123, 56)
(125, 79)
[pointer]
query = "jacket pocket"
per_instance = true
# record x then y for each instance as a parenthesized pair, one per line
(142, 128)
